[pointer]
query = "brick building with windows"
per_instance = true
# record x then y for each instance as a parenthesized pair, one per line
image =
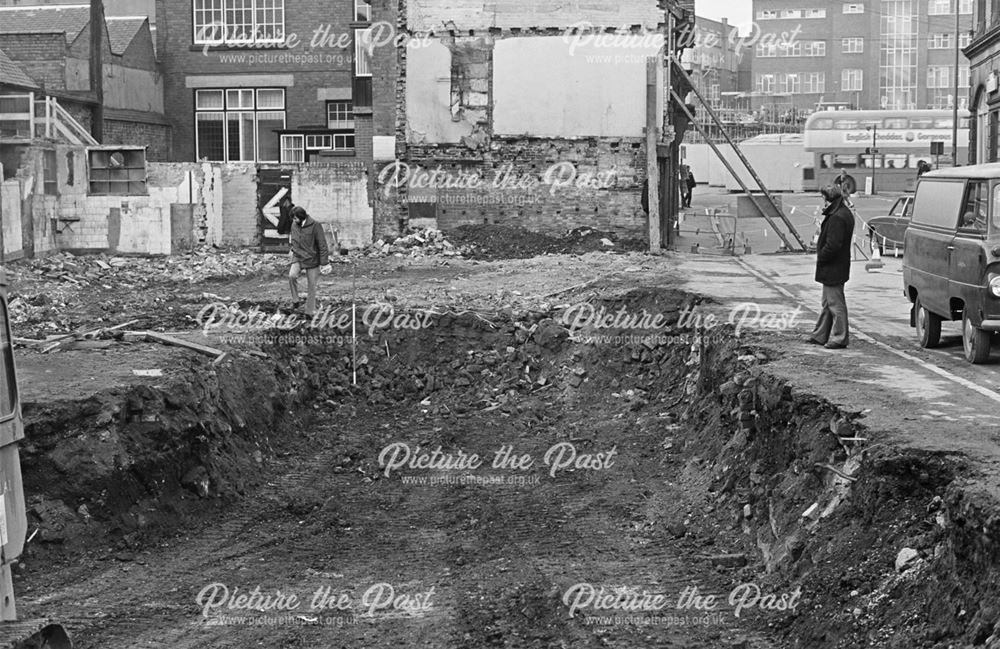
(868, 54)
(267, 81)
(713, 58)
(984, 95)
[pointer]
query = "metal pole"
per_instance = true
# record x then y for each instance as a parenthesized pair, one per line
(954, 101)
(354, 321)
(874, 155)
(653, 93)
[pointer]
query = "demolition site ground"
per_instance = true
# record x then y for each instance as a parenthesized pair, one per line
(479, 472)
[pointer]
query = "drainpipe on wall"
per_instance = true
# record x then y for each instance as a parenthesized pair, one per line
(97, 68)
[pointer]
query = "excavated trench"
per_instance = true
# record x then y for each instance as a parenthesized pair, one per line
(692, 467)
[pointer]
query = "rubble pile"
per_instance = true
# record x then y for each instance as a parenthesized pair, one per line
(419, 243)
(491, 242)
(55, 291)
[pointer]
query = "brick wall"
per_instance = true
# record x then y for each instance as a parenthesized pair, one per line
(319, 66)
(41, 55)
(155, 136)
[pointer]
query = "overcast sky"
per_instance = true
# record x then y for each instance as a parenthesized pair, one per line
(739, 12)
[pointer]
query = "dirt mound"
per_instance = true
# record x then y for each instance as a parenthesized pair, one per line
(489, 242)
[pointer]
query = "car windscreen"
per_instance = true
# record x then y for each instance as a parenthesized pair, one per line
(938, 202)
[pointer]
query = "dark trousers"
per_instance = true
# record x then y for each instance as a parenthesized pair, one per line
(832, 327)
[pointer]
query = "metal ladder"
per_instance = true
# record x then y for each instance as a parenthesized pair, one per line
(746, 163)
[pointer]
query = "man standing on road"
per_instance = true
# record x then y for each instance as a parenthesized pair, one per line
(308, 251)
(833, 269)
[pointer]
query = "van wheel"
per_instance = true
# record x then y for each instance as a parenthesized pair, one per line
(975, 342)
(928, 326)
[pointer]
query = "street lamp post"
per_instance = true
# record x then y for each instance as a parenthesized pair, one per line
(874, 130)
(954, 101)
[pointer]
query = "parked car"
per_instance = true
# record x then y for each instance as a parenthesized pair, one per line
(887, 231)
(951, 261)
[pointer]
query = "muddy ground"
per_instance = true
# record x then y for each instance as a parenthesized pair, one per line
(263, 470)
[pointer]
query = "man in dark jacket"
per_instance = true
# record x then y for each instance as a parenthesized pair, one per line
(308, 251)
(833, 269)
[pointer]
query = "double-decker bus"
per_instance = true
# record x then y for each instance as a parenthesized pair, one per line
(843, 139)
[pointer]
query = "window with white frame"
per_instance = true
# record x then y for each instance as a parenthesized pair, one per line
(939, 41)
(964, 39)
(815, 13)
(938, 7)
(852, 45)
(814, 48)
(339, 115)
(767, 14)
(765, 83)
(938, 76)
(293, 148)
(767, 50)
(240, 22)
(854, 8)
(363, 11)
(791, 13)
(963, 76)
(363, 48)
(965, 6)
(789, 84)
(790, 49)
(814, 82)
(851, 80)
(238, 124)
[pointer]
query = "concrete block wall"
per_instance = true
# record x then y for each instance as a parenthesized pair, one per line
(239, 204)
(337, 194)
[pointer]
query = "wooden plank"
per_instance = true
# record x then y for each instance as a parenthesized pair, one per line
(180, 342)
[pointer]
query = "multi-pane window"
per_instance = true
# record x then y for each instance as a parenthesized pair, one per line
(766, 51)
(815, 13)
(814, 48)
(765, 83)
(938, 76)
(293, 148)
(237, 125)
(939, 41)
(789, 84)
(938, 7)
(363, 11)
(964, 39)
(965, 6)
(851, 79)
(852, 45)
(854, 8)
(339, 115)
(241, 22)
(363, 52)
(814, 82)
(963, 76)
(767, 14)
(791, 13)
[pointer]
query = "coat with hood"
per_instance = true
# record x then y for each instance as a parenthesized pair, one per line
(833, 249)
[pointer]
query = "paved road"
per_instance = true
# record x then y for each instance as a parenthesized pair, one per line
(802, 209)
(884, 372)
